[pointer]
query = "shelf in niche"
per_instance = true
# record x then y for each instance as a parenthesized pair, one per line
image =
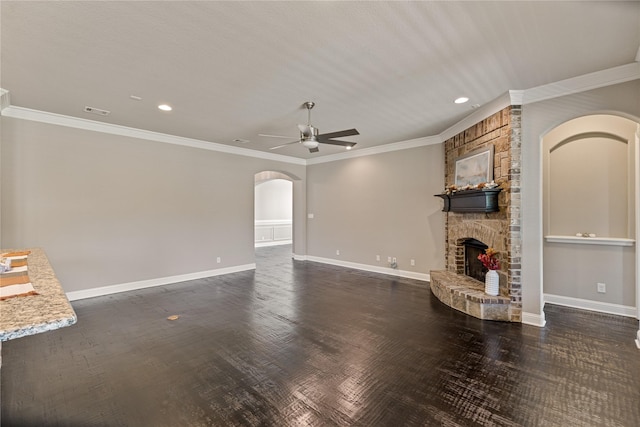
(485, 200)
(605, 241)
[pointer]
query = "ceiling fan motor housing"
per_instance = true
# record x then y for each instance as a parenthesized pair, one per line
(308, 138)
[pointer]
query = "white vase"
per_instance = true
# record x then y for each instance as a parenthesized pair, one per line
(492, 283)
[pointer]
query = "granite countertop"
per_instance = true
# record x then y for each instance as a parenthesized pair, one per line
(30, 315)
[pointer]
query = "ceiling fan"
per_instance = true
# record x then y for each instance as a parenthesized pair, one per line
(311, 138)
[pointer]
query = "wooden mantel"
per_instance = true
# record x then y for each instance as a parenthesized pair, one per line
(484, 200)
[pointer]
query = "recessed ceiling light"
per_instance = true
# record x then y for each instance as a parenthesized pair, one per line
(348, 147)
(165, 107)
(461, 100)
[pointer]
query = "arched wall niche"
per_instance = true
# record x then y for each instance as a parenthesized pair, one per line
(588, 177)
(589, 182)
(589, 213)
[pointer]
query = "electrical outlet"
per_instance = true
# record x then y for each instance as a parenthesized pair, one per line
(337, 251)
(389, 259)
(393, 263)
(413, 262)
(602, 288)
(218, 260)
(377, 257)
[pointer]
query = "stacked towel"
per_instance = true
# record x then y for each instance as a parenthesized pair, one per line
(16, 282)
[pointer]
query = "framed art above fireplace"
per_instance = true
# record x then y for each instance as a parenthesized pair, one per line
(474, 168)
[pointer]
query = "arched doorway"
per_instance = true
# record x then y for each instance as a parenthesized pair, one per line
(295, 199)
(273, 209)
(590, 214)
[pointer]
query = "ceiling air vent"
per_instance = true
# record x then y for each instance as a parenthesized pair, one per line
(97, 111)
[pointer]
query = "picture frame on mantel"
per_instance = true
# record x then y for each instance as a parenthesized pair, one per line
(475, 167)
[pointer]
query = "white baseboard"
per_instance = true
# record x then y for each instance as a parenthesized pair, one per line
(272, 243)
(534, 319)
(131, 286)
(638, 340)
(365, 267)
(584, 304)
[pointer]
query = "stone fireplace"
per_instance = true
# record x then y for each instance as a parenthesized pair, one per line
(498, 230)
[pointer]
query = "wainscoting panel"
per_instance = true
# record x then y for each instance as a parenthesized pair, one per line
(275, 232)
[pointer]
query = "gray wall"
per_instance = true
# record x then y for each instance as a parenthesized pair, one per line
(379, 205)
(537, 120)
(110, 210)
(273, 200)
(573, 270)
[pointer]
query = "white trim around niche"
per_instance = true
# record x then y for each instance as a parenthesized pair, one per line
(142, 284)
(4, 99)
(605, 241)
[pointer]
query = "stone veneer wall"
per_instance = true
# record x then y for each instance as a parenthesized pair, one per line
(500, 230)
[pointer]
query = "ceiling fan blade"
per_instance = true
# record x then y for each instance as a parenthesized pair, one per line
(336, 142)
(348, 132)
(305, 130)
(284, 145)
(275, 136)
(313, 150)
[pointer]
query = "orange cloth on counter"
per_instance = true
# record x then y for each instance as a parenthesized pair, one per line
(16, 284)
(18, 262)
(9, 278)
(16, 253)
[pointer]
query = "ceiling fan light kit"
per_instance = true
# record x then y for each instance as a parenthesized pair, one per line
(310, 137)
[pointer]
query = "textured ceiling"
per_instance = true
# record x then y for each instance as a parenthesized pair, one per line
(237, 69)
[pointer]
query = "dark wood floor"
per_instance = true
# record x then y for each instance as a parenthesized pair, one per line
(305, 344)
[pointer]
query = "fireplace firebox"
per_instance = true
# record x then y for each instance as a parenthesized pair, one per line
(472, 265)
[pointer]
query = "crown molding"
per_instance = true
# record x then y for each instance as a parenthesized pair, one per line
(92, 125)
(481, 113)
(516, 97)
(395, 146)
(583, 83)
